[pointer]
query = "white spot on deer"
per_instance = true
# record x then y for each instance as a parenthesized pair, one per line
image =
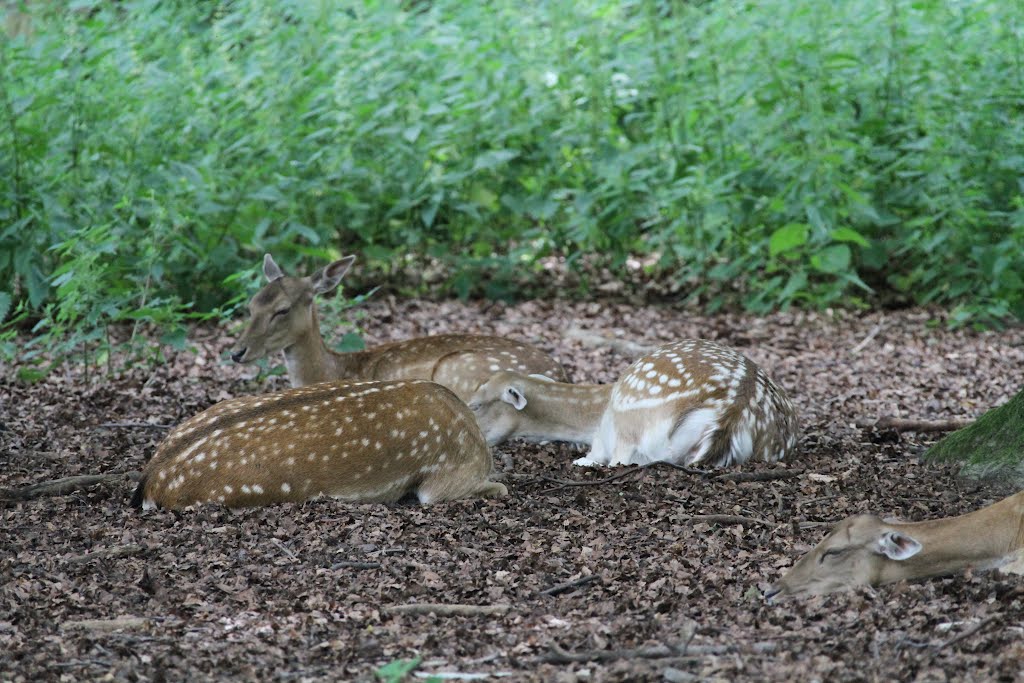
(286, 488)
(256, 488)
(162, 475)
(246, 489)
(200, 457)
(364, 441)
(655, 389)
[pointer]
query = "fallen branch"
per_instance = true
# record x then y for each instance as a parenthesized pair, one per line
(901, 424)
(351, 564)
(285, 549)
(981, 625)
(59, 487)
(569, 585)
(681, 468)
(623, 346)
(721, 519)
(112, 553)
(444, 610)
(559, 655)
(768, 475)
(565, 483)
(107, 625)
(866, 340)
(131, 425)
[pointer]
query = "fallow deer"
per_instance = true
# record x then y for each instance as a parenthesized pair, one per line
(865, 550)
(355, 441)
(284, 318)
(687, 402)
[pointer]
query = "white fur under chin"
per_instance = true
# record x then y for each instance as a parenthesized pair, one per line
(687, 444)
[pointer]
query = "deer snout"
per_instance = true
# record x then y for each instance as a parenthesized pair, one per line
(238, 355)
(771, 592)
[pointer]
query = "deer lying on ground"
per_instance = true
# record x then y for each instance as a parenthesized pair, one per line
(355, 441)
(284, 318)
(865, 550)
(687, 402)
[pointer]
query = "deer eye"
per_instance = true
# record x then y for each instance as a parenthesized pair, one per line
(280, 311)
(830, 552)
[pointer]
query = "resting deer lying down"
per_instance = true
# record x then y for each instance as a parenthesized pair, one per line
(284, 318)
(356, 441)
(865, 550)
(691, 401)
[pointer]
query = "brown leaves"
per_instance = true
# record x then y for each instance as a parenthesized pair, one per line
(303, 589)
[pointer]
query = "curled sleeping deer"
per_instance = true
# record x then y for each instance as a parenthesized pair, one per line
(688, 402)
(356, 441)
(865, 550)
(284, 318)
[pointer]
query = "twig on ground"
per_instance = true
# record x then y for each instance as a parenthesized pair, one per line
(768, 475)
(447, 610)
(559, 655)
(623, 346)
(285, 549)
(901, 424)
(981, 625)
(111, 553)
(59, 487)
(720, 519)
(565, 483)
(107, 625)
(351, 564)
(681, 468)
(866, 340)
(131, 425)
(569, 585)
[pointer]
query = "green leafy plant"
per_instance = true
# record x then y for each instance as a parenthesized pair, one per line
(757, 154)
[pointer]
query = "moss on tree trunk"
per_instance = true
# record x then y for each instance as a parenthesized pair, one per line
(994, 443)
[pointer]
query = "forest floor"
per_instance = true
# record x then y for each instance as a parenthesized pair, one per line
(583, 583)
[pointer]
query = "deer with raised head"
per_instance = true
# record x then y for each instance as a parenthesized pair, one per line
(355, 441)
(284, 318)
(687, 402)
(865, 550)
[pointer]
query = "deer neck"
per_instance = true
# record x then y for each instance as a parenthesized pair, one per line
(310, 361)
(564, 412)
(983, 539)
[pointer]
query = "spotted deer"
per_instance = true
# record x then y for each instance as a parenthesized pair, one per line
(691, 401)
(865, 550)
(283, 317)
(354, 441)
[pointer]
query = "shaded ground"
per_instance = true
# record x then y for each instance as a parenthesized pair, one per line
(300, 592)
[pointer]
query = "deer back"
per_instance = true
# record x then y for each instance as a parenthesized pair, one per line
(357, 441)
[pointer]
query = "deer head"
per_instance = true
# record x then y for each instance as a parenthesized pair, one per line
(862, 550)
(283, 312)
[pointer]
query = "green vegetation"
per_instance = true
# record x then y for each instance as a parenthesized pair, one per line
(762, 154)
(992, 446)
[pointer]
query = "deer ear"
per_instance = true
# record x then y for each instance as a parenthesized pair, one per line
(897, 546)
(271, 271)
(328, 277)
(514, 397)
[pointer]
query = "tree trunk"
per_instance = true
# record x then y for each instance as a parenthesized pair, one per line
(994, 444)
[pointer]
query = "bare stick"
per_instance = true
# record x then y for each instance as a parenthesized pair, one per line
(59, 487)
(112, 553)
(866, 340)
(623, 346)
(444, 610)
(285, 549)
(721, 519)
(681, 468)
(564, 483)
(768, 475)
(131, 425)
(983, 624)
(107, 625)
(559, 655)
(569, 585)
(350, 564)
(901, 424)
